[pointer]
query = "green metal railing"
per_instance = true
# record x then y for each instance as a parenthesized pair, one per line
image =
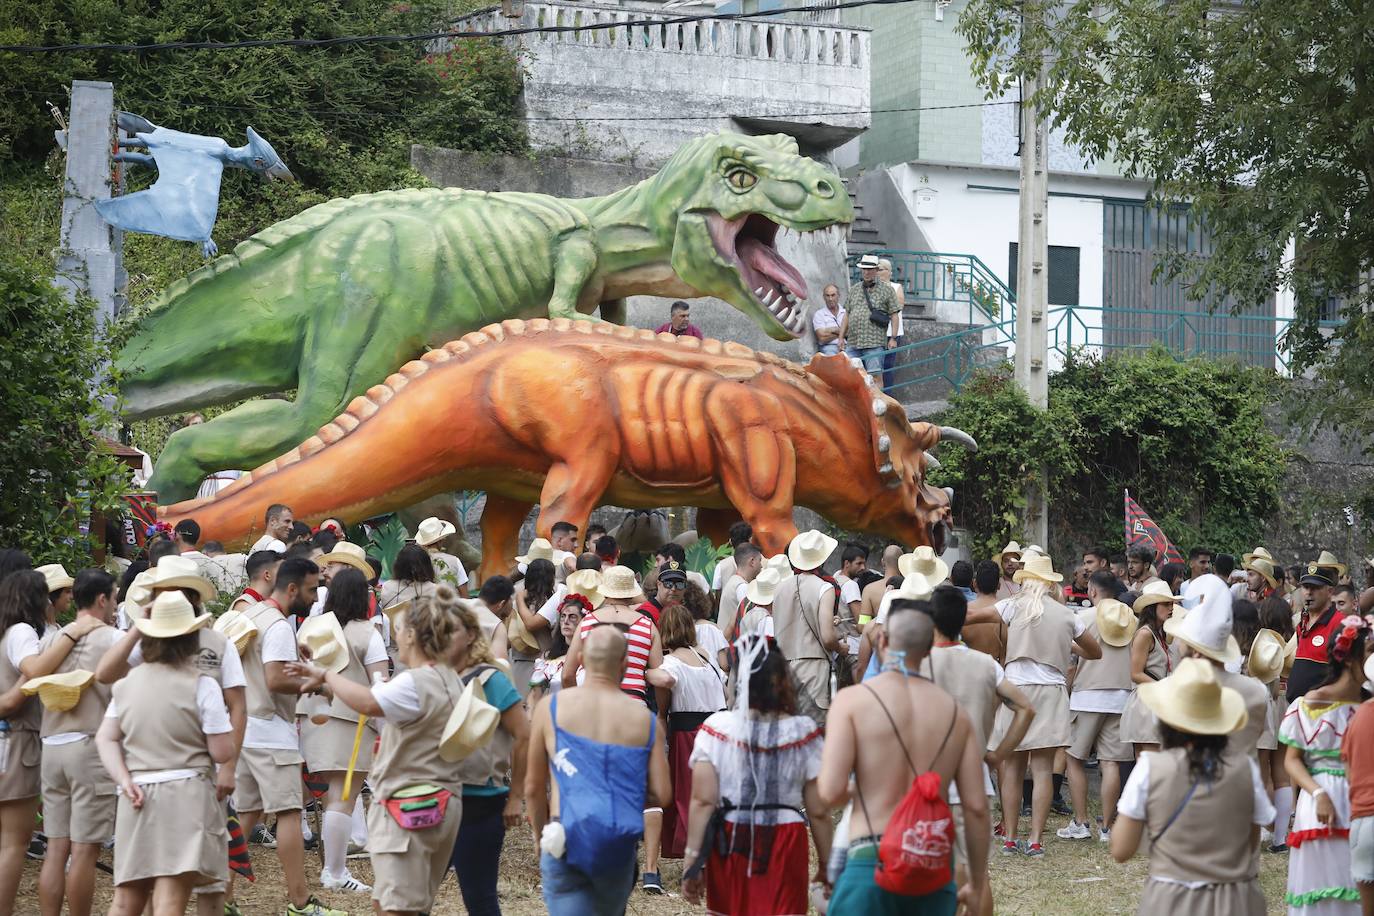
(935, 277)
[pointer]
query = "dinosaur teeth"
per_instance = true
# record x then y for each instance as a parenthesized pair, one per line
(759, 292)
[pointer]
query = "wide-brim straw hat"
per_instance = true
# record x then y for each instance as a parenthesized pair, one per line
(349, 554)
(764, 587)
(924, 562)
(179, 572)
(810, 549)
(1012, 547)
(587, 583)
(1206, 628)
(1327, 558)
(780, 563)
(1037, 566)
(1193, 700)
(1264, 567)
(1258, 553)
(324, 637)
(1325, 570)
(433, 529)
(139, 595)
(59, 692)
(519, 635)
(400, 607)
(619, 582)
(171, 615)
(470, 725)
(56, 577)
(1267, 655)
(1154, 593)
(540, 549)
(1116, 623)
(236, 627)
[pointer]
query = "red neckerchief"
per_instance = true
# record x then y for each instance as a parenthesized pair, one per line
(947, 644)
(250, 593)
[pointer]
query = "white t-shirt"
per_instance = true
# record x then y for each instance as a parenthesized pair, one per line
(399, 699)
(1024, 672)
(901, 297)
(214, 720)
(278, 645)
(267, 542)
(549, 609)
(695, 689)
(376, 649)
(21, 642)
(230, 667)
(447, 565)
(849, 592)
(710, 640)
(724, 570)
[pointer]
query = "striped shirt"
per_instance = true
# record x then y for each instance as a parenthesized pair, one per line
(640, 640)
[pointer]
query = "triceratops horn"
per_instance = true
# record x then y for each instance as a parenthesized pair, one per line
(950, 434)
(932, 463)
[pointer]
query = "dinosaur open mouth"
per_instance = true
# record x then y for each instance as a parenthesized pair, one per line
(777, 286)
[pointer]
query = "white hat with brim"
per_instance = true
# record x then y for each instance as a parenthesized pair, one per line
(1116, 623)
(868, 262)
(349, 554)
(923, 561)
(1267, 656)
(59, 692)
(139, 595)
(1193, 700)
(1257, 553)
(236, 627)
(323, 637)
(1328, 559)
(915, 587)
(619, 582)
(1154, 593)
(171, 615)
(780, 563)
(587, 583)
(400, 607)
(540, 549)
(433, 529)
(470, 725)
(1039, 567)
(56, 576)
(810, 549)
(1206, 629)
(764, 587)
(179, 572)
(1012, 547)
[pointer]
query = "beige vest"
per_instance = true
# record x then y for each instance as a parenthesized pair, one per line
(160, 719)
(1046, 640)
(1210, 839)
(409, 754)
(357, 634)
(728, 609)
(1110, 672)
(30, 714)
(971, 678)
(263, 703)
(795, 623)
(1256, 697)
(1157, 663)
(492, 760)
(85, 716)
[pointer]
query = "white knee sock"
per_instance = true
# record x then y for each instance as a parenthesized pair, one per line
(1283, 808)
(359, 834)
(306, 832)
(337, 826)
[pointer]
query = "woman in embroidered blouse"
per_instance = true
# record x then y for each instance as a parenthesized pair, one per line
(1319, 876)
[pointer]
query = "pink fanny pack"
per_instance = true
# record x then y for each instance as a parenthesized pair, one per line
(418, 807)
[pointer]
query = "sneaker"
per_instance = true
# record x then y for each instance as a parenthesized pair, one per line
(313, 907)
(652, 884)
(1073, 831)
(1009, 848)
(1059, 806)
(232, 909)
(356, 850)
(999, 829)
(346, 882)
(1266, 836)
(1104, 834)
(1035, 850)
(311, 841)
(38, 846)
(263, 837)
(1280, 848)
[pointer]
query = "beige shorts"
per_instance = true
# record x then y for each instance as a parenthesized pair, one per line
(268, 780)
(409, 865)
(1102, 729)
(79, 800)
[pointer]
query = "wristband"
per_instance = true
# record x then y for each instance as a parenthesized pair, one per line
(1320, 791)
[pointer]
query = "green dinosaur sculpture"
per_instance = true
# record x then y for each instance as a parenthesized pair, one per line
(332, 300)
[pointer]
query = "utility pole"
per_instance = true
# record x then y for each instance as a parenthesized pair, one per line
(1032, 281)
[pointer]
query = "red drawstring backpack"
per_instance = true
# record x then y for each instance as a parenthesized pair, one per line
(915, 856)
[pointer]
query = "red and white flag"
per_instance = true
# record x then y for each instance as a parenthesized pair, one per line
(1141, 528)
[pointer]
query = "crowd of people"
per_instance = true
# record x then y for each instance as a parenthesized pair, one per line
(877, 716)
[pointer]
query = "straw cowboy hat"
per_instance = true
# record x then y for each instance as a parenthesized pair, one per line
(540, 549)
(433, 529)
(1116, 623)
(59, 692)
(1316, 570)
(1267, 655)
(349, 554)
(139, 595)
(1154, 593)
(324, 637)
(923, 561)
(236, 627)
(470, 725)
(764, 587)
(619, 582)
(1207, 627)
(1264, 567)
(1039, 567)
(519, 635)
(171, 615)
(780, 563)
(587, 583)
(1257, 553)
(55, 574)
(1012, 548)
(810, 549)
(1194, 701)
(179, 572)
(400, 607)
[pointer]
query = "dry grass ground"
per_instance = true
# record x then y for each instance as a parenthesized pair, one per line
(1075, 878)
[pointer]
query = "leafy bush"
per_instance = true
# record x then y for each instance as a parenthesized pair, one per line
(1186, 437)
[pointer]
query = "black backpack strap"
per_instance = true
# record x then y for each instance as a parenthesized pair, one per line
(479, 671)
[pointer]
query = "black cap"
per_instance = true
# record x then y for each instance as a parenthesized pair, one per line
(1320, 576)
(672, 572)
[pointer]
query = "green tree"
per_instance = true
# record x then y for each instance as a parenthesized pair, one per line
(1258, 113)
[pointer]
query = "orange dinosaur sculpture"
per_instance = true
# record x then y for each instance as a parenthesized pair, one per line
(568, 414)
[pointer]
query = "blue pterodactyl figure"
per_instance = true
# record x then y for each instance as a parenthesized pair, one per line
(184, 201)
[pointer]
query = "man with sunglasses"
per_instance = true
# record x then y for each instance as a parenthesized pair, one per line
(672, 588)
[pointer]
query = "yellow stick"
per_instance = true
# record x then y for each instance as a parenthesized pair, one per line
(353, 758)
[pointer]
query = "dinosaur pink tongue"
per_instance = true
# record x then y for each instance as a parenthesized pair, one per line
(766, 261)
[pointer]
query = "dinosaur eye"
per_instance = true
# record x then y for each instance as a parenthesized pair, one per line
(741, 179)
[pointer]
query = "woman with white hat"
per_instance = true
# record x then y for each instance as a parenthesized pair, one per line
(1150, 662)
(431, 535)
(164, 730)
(1202, 808)
(356, 652)
(417, 802)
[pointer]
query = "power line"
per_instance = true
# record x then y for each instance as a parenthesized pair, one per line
(349, 40)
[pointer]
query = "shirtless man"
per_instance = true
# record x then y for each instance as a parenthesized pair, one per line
(619, 726)
(872, 595)
(940, 738)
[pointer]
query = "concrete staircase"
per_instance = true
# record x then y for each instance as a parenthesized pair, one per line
(863, 235)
